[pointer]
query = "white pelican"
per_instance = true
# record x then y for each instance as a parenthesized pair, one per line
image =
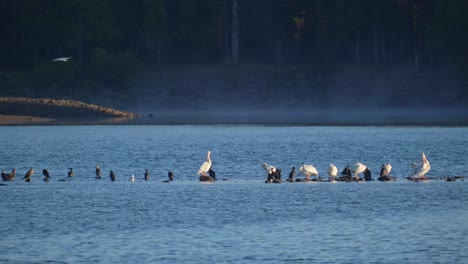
(385, 170)
(332, 172)
(64, 59)
(132, 178)
(420, 169)
(308, 170)
(357, 168)
(268, 168)
(388, 167)
(206, 165)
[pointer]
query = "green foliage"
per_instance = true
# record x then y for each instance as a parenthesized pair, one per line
(110, 39)
(114, 69)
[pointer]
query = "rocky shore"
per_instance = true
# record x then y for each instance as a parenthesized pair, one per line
(20, 110)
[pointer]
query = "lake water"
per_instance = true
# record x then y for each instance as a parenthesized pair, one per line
(242, 220)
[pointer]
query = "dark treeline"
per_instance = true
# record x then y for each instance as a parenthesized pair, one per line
(109, 38)
(215, 31)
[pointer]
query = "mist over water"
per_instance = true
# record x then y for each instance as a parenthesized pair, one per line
(334, 97)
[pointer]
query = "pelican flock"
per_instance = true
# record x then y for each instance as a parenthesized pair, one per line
(420, 169)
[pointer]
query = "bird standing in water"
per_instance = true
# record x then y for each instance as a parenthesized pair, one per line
(98, 172)
(147, 175)
(420, 169)
(4, 175)
(170, 175)
(212, 173)
(206, 165)
(11, 176)
(28, 175)
(112, 176)
(71, 173)
(308, 170)
(45, 172)
(332, 172)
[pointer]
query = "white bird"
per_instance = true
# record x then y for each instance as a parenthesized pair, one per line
(332, 171)
(64, 59)
(357, 168)
(308, 170)
(206, 165)
(268, 168)
(132, 178)
(420, 169)
(387, 167)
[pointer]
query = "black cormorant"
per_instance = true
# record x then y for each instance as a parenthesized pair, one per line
(71, 173)
(147, 175)
(28, 175)
(212, 173)
(112, 176)
(45, 172)
(98, 172)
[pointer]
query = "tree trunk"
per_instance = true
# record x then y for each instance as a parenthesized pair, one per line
(158, 52)
(235, 33)
(384, 51)
(376, 47)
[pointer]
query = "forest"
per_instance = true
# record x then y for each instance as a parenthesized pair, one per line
(291, 49)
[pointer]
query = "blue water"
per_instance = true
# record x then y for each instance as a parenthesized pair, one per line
(85, 220)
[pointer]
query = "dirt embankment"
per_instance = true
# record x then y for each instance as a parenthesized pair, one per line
(15, 110)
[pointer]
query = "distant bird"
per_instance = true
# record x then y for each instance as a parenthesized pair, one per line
(388, 167)
(132, 178)
(385, 170)
(98, 172)
(268, 168)
(64, 59)
(11, 176)
(71, 173)
(420, 169)
(147, 175)
(170, 175)
(112, 176)
(357, 168)
(4, 175)
(28, 175)
(332, 172)
(308, 170)
(206, 165)
(45, 172)
(212, 173)
(292, 174)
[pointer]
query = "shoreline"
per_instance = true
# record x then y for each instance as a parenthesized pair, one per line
(19, 120)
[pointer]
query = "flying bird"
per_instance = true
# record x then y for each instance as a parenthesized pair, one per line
(64, 59)
(206, 165)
